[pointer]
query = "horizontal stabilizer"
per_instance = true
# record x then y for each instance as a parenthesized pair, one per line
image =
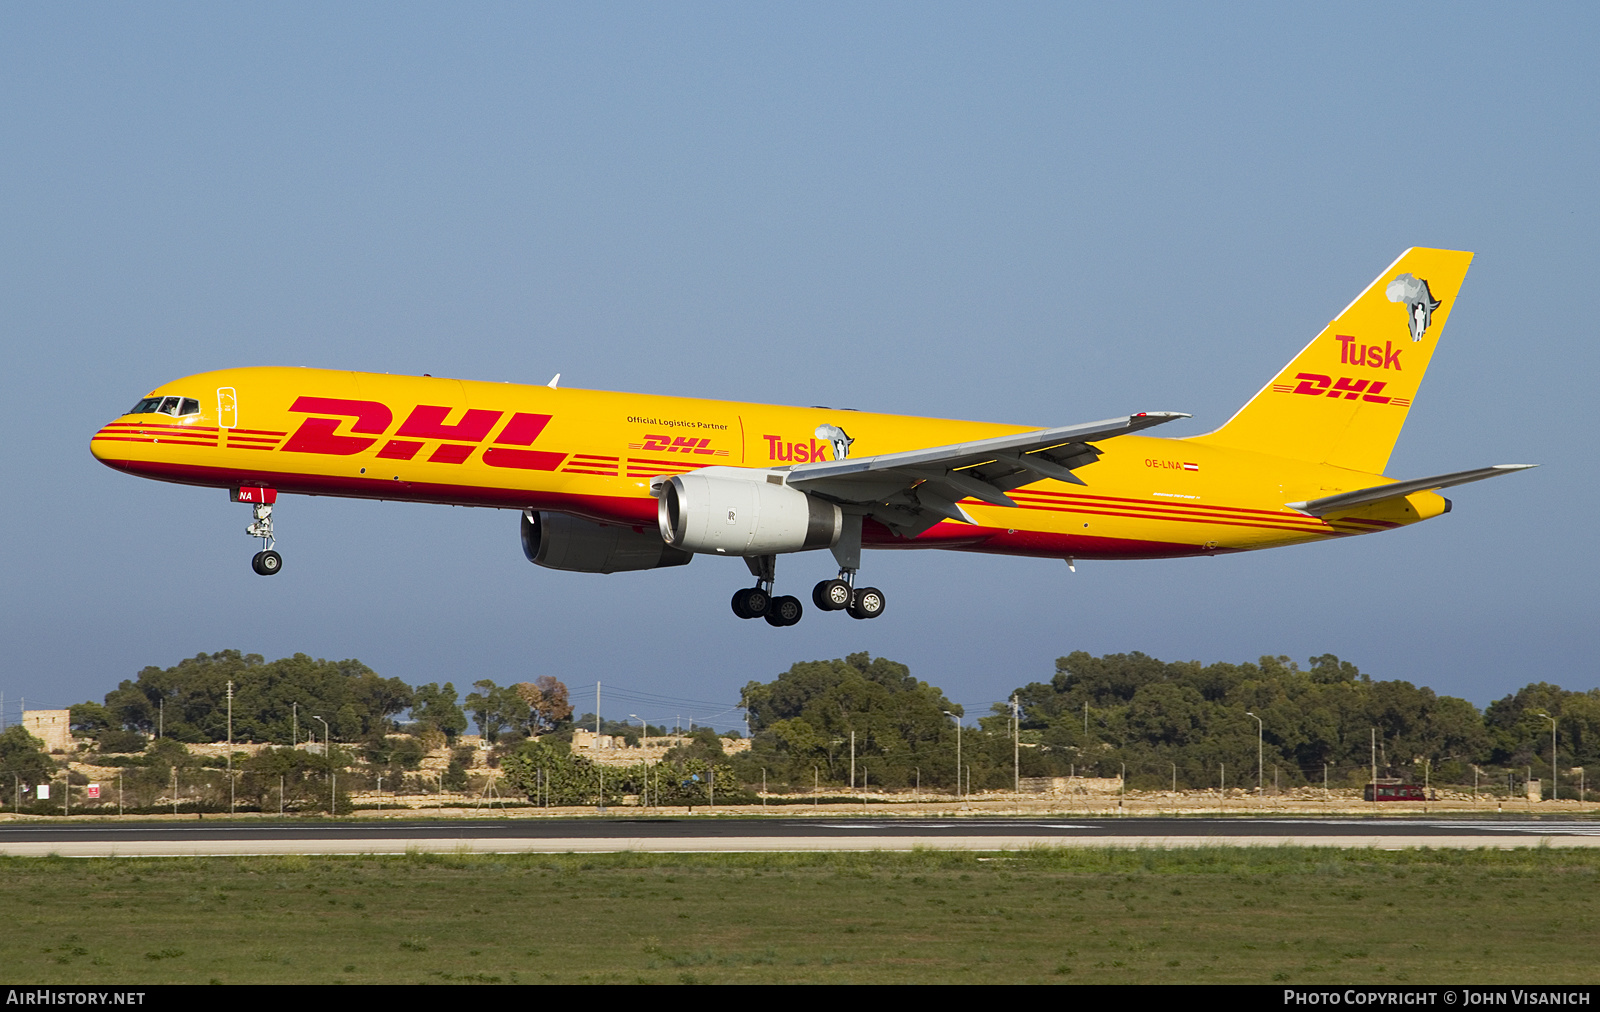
(1378, 493)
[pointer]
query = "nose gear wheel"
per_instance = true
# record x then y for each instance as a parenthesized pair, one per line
(265, 562)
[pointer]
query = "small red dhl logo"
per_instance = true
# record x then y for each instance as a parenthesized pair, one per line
(678, 444)
(425, 423)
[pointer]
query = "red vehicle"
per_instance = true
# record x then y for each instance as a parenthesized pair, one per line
(1394, 792)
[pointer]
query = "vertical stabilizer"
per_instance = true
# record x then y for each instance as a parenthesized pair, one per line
(1344, 398)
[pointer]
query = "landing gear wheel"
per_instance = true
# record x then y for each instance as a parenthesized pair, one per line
(750, 602)
(831, 595)
(868, 603)
(784, 611)
(267, 563)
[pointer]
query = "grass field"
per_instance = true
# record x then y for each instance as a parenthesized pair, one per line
(1253, 915)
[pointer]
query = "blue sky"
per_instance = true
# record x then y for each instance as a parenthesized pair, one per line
(1039, 214)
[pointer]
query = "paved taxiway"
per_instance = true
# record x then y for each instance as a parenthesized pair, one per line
(730, 835)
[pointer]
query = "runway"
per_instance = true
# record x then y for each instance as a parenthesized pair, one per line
(615, 834)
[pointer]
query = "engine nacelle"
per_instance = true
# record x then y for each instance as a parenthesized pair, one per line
(732, 511)
(558, 541)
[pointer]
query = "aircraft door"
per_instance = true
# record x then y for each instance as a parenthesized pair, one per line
(227, 407)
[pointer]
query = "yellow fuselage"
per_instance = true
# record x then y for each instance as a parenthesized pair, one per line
(593, 454)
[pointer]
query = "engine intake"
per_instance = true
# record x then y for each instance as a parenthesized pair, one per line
(732, 511)
(559, 541)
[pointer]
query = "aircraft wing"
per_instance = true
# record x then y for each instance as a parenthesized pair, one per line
(1378, 493)
(912, 490)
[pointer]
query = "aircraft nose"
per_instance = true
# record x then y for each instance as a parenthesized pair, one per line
(99, 443)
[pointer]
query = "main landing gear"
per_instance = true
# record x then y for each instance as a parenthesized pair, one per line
(838, 594)
(265, 562)
(758, 601)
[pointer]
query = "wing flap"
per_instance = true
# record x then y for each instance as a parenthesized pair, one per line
(958, 455)
(912, 490)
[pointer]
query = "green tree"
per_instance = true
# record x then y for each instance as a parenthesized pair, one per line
(90, 719)
(495, 708)
(189, 702)
(307, 782)
(546, 769)
(23, 757)
(1129, 710)
(436, 708)
(803, 722)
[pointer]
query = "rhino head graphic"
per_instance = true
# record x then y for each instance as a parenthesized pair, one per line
(837, 437)
(1420, 303)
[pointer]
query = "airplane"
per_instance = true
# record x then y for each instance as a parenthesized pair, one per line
(613, 482)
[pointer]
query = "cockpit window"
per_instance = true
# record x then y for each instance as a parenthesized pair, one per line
(176, 406)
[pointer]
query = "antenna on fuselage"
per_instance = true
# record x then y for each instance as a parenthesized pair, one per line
(553, 381)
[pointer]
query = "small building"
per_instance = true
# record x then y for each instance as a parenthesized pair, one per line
(53, 727)
(588, 741)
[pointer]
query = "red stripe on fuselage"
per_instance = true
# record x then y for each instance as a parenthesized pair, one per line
(605, 509)
(642, 511)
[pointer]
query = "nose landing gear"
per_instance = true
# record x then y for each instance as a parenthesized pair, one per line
(265, 562)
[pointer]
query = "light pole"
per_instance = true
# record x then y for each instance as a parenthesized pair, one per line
(1016, 746)
(327, 742)
(953, 717)
(1555, 792)
(1260, 734)
(644, 798)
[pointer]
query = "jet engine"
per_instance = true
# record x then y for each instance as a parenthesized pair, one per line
(732, 511)
(558, 541)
